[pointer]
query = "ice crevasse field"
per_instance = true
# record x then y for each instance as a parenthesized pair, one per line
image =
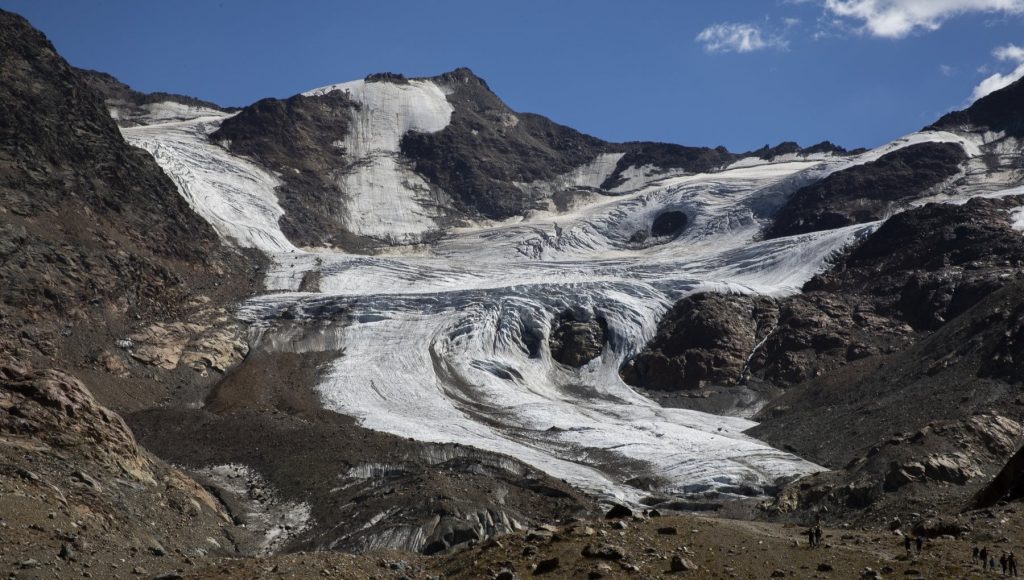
(432, 340)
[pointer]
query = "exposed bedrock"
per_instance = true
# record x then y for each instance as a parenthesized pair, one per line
(577, 337)
(705, 338)
(999, 111)
(299, 139)
(869, 192)
(919, 270)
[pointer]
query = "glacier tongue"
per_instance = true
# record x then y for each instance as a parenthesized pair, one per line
(448, 343)
(436, 345)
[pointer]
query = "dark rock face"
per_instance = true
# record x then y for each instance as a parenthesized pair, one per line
(296, 138)
(578, 338)
(1008, 485)
(668, 156)
(999, 111)
(944, 453)
(935, 368)
(705, 338)
(487, 146)
(791, 147)
(919, 270)
(867, 192)
(90, 221)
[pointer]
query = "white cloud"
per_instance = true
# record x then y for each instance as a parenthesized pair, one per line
(947, 71)
(737, 37)
(1012, 53)
(898, 18)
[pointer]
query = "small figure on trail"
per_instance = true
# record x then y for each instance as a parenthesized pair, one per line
(1003, 562)
(974, 553)
(920, 543)
(992, 562)
(983, 554)
(817, 535)
(1011, 562)
(906, 544)
(810, 537)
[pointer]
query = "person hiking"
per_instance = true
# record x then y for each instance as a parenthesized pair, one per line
(817, 535)
(1011, 562)
(920, 543)
(906, 544)
(992, 562)
(1003, 562)
(810, 537)
(974, 553)
(983, 554)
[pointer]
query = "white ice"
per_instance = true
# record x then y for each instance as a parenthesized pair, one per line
(236, 196)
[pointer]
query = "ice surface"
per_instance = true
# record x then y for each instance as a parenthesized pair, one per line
(448, 342)
(233, 194)
(384, 198)
(437, 351)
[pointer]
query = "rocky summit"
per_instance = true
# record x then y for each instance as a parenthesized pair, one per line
(392, 327)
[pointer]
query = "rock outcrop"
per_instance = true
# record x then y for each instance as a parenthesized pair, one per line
(869, 192)
(998, 112)
(705, 338)
(578, 337)
(298, 138)
(89, 226)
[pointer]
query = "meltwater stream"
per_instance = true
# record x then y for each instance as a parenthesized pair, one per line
(440, 342)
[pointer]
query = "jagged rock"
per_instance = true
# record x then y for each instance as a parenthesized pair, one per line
(999, 112)
(681, 564)
(865, 193)
(935, 527)
(705, 338)
(603, 552)
(97, 224)
(56, 408)
(545, 566)
(212, 341)
(578, 337)
(618, 511)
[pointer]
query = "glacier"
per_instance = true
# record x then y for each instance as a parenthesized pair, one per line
(433, 338)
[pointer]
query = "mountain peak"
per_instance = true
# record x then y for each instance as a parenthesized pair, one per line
(462, 75)
(998, 111)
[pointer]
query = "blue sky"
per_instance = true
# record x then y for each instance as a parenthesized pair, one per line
(739, 73)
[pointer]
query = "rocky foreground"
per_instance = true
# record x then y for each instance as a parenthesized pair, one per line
(675, 546)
